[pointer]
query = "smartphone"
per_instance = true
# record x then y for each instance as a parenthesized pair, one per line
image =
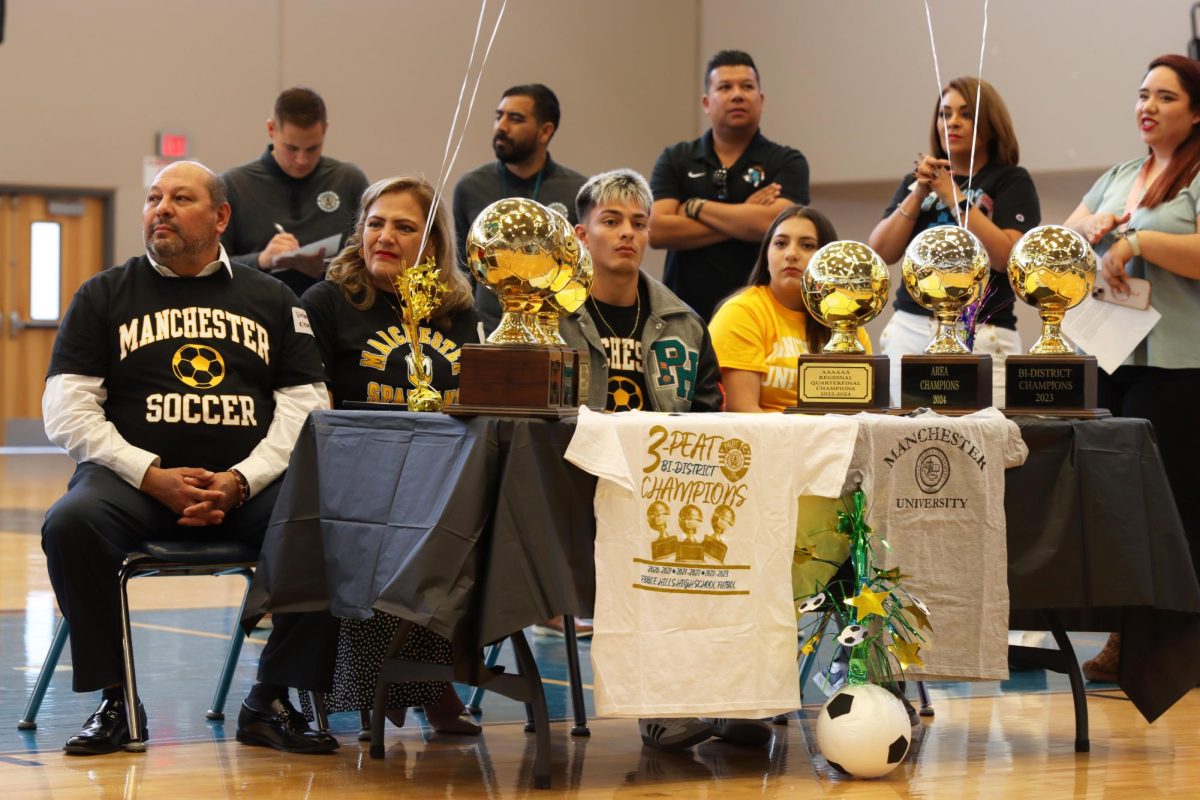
(1138, 296)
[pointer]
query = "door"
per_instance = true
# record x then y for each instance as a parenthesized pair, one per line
(50, 243)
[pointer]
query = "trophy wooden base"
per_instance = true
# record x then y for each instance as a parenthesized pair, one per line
(840, 383)
(1051, 386)
(517, 381)
(948, 384)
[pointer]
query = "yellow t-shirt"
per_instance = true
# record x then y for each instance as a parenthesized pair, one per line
(752, 331)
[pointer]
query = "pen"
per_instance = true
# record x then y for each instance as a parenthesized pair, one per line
(279, 228)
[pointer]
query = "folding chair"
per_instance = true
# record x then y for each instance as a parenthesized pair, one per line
(150, 559)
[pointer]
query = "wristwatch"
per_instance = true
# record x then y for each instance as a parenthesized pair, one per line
(1129, 235)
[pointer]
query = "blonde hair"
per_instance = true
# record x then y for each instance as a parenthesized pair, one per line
(349, 271)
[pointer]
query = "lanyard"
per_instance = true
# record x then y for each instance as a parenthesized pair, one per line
(537, 184)
(1137, 191)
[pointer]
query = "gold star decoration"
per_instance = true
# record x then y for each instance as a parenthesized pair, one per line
(920, 616)
(868, 602)
(802, 555)
(810, 645)
(906, 653)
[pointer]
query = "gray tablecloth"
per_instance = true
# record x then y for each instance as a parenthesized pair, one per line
(476, 529)
(1093, 532)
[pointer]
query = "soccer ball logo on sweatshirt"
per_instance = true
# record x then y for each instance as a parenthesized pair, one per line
(198, 366)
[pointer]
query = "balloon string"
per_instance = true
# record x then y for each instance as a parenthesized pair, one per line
(975, 119)
(447, 159)
(937, 73)
(958, 213)
(470, 108)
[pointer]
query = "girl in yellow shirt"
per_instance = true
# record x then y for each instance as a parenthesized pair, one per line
(758, 332)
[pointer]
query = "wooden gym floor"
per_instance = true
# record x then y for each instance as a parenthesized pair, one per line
(987, 740)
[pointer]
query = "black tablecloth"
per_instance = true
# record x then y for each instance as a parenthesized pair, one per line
(477, 529)
(1093, 532)
(474, 529)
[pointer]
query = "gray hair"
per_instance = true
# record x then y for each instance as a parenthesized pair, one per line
(625, 185)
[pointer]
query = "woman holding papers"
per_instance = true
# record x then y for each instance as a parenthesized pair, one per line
(1002, 204)
(356, 321)
(758, 332)
(1143, 217)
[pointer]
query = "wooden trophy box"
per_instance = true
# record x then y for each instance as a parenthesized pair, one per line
(518, 381)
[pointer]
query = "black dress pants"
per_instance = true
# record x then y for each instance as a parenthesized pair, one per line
(1170, 399)
(99, 521)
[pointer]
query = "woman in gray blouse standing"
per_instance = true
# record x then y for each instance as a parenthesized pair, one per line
(1143, 216)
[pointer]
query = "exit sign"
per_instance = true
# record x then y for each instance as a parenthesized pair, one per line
(172, 145)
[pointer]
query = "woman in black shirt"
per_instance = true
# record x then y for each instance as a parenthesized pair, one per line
(1003, 205)
(356, 320)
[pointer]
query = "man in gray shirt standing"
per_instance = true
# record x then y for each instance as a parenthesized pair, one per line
(526, 120)
(292, 195)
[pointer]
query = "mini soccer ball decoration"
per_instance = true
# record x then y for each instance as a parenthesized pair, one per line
(198, 366)
(863, 731)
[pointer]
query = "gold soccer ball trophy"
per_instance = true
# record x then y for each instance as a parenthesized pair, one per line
(1053, 268)
(945, 269)
(514, 248)
(570, 289)
(845, 287)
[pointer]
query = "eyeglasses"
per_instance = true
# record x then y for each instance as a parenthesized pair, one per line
(720, 180)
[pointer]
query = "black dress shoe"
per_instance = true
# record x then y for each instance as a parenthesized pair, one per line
(281, 726)
(106, 730)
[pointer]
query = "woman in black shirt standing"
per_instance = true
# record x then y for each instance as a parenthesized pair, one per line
(1003, 205)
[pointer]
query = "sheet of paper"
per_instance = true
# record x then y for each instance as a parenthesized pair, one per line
(1108, 331)
(329, 244)
(309, 266)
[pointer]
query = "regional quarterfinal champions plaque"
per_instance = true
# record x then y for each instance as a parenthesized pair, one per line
(841, 382)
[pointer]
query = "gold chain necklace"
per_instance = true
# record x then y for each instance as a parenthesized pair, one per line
(636, 318)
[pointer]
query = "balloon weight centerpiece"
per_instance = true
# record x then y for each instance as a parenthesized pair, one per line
(944, 269)
(845, 287)
(419, 290)
(514, 248)
(1052, 268)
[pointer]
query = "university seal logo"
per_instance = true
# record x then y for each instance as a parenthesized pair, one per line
(329, 201)
(734, 458)
(932, 470)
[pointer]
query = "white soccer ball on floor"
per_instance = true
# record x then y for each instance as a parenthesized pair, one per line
(863, 731)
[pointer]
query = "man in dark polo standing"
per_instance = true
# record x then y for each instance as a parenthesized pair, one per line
(526, 120)
(715, 197)
(292, 196)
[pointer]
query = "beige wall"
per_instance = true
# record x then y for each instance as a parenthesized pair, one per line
(84, 85)
(851, 82)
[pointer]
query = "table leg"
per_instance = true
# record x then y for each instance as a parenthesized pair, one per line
(379, 711)
(575, 678)
(1064, 661)
(541, 717)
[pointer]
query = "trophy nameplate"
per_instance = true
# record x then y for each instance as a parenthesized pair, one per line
(516, 381)
(840, 383)
(1060, 385)
(690, 551)
(946, 383)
